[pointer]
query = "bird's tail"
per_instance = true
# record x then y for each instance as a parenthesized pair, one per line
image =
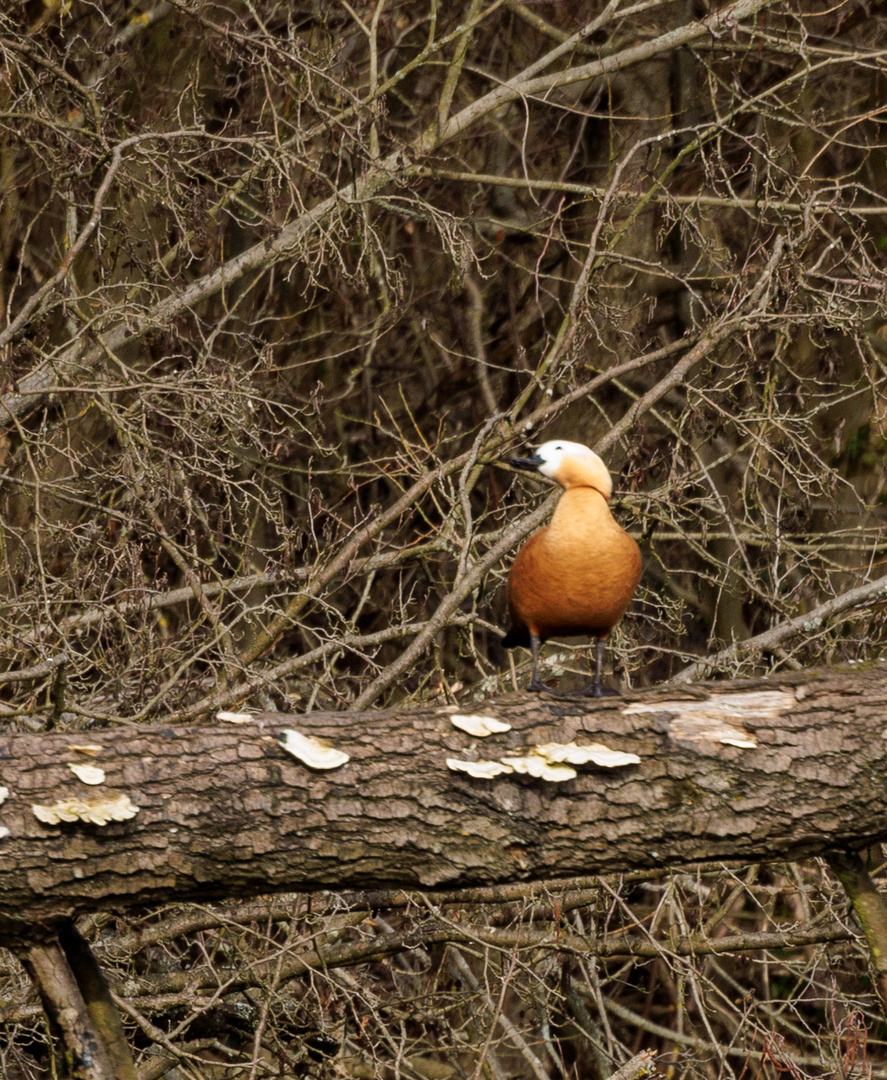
(517, 635)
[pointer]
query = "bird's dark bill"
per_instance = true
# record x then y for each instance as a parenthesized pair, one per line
(531, 464)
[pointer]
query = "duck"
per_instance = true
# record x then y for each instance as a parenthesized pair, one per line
(578, 574)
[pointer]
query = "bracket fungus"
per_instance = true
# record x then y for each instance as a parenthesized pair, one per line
(481, 770)
(479, 726)
(533, 765)
(87, 774)
(97, 811)
(591, 753)
(90, 749)
(550, 761)
(310, 751)
(235, 717)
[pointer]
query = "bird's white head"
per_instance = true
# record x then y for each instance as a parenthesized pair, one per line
(569, 464)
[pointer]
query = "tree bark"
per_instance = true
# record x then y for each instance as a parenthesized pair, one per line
(224, 810)
(86, 1055)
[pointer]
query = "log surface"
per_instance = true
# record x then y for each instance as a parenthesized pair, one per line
(224, 810)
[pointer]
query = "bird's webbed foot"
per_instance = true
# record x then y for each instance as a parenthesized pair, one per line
(536, 686)
(596, 690)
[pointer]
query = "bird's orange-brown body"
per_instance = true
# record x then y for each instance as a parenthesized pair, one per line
(578, 574)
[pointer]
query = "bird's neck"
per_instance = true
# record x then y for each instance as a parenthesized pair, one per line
(580, 510)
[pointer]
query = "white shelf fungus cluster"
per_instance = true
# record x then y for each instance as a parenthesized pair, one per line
(98, 810)
(550, 761)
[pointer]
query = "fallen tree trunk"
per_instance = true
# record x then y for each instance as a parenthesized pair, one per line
(778, 769)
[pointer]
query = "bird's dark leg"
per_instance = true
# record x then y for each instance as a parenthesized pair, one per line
(536, 684)
(594, 688)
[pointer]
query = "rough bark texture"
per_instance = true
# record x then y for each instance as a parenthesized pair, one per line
(225, 811)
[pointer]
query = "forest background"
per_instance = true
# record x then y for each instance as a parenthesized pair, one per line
(283, 287)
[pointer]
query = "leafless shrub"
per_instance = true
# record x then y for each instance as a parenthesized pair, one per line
(726, 971)
(283, 287)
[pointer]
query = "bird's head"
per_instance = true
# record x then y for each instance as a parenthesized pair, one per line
(569, 464)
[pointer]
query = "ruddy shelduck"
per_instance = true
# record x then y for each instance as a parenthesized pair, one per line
(576, 575)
